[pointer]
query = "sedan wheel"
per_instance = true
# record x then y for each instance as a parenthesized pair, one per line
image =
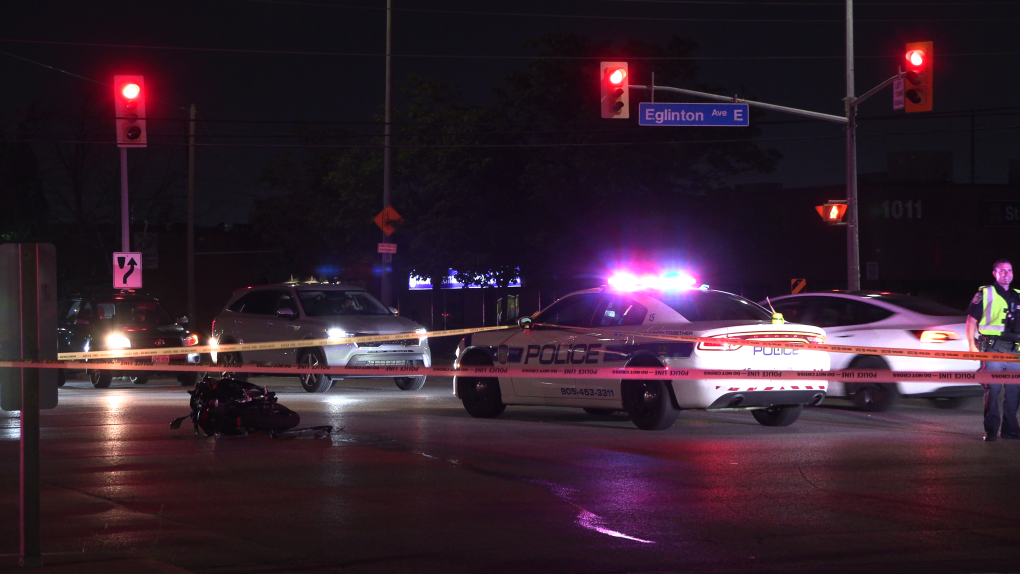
(100, 379)
(777, 416)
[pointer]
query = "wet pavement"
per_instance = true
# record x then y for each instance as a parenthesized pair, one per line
(410, 483)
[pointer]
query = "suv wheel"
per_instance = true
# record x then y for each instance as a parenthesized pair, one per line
(410, 383)
(314, 382)
(100, 379)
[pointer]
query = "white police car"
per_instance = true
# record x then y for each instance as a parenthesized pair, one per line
(604, 327)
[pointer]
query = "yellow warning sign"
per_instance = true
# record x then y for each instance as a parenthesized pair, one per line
(387, 219)
(797, 285)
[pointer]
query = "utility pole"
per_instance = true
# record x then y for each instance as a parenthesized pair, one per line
(853, 252)
(386, 258)
(190, 311)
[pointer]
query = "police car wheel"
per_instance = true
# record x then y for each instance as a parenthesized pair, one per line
(777, 416)
(100, 379)
(314, 382)
(649, 405)
(140, 379)
(409, 383)
(599, 412)
(481, 397)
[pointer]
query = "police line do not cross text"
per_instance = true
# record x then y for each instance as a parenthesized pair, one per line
(720, 115)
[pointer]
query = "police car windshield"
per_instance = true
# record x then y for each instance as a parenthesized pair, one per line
(132, 312)
(332, 303)
(698, 305)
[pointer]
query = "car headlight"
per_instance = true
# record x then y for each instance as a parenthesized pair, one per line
(191, 340)
(420, 331)
(116, 341)
(336, 333)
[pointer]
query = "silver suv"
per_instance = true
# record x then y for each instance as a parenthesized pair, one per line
(294, 311)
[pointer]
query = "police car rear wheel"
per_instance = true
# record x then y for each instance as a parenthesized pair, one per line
(481, 397)
(777, 416)
(649, 405)
(314, 382)
(409, 383)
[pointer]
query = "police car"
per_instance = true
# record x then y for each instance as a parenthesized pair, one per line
(614, 326)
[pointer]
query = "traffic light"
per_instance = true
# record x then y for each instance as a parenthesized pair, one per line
(129, 107)
(918, 93)
(832, 213)
(615, 91)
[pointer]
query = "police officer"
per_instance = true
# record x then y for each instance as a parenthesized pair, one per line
(990, 329)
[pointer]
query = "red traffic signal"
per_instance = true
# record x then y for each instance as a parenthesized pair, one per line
(918, 87)
(832, 213)
(615, 90)
(129, 109)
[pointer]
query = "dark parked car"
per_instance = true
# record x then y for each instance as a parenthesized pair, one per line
(119, 320)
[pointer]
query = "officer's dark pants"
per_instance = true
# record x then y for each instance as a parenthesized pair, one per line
(1010, 403)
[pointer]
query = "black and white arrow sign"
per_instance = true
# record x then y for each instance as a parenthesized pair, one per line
(127, 270)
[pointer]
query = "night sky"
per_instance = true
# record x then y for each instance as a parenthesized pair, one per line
(228, 57)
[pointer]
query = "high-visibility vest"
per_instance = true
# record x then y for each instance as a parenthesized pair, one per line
(993, 314)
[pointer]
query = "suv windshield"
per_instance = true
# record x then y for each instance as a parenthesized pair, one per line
(125, 311)
(698, 305)
(329, 303)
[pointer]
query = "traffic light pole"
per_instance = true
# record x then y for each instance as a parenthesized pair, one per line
(125, 214)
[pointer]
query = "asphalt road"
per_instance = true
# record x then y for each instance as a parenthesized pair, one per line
(410, 483)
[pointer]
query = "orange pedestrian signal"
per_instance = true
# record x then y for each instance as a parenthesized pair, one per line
(831, 213)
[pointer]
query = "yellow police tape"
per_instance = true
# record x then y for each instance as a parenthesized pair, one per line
(736, 343)
(755, 378)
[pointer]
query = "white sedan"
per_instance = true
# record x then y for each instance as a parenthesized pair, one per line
(609, 327)
(887, 320)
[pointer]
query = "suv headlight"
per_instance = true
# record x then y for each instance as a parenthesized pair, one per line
(420, 331)
(116, 341)
(336, 333)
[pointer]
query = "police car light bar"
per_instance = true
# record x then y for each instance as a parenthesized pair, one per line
(625, 281)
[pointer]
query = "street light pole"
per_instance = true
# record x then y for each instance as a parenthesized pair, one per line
(386, 259)
(191, 219)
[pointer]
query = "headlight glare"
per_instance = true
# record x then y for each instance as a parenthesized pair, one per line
(116, 341)
(336, 333)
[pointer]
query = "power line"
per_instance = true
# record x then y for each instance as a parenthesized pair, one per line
(826, 4)
(479, 56)
(632, 18)
(532, 145)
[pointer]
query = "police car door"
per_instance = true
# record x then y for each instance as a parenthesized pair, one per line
(609, 343)
(549, 343)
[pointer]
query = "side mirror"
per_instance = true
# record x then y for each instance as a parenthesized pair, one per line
(525, 323)
(183, 320)
(285, 312)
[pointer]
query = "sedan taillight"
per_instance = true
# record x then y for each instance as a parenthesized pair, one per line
(936, 336)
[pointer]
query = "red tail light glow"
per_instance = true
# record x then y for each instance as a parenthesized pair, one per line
(936, 336)
(765, 336)
(191, 340)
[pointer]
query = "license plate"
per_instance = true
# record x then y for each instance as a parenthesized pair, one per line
(161, 359)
